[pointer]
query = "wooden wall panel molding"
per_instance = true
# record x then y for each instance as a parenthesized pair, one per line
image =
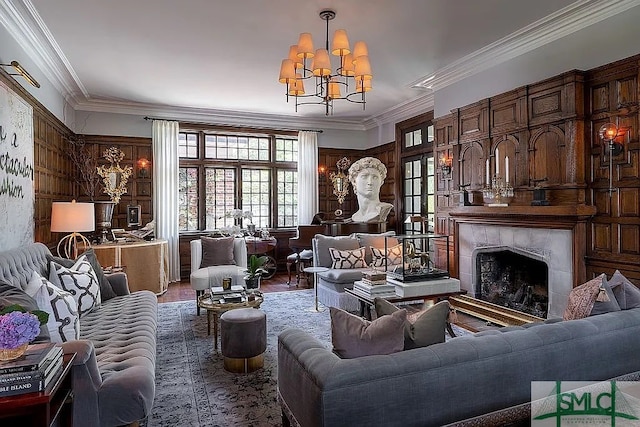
(473, 121)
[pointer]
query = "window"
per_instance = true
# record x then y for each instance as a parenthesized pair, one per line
(222, 171)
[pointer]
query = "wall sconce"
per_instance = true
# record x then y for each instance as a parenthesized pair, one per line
(340, 183)
(445, 162)
(143, 168)
(609, 132)
(322, 170)
(20, 71)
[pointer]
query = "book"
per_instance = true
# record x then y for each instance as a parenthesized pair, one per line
(218, 290)
(33, 384)
(374, 282)
(32, 360)
(374, 275)
(41, 373)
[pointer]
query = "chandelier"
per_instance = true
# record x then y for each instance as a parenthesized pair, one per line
(353, 74)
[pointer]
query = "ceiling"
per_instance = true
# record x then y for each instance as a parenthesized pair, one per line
(204, 55)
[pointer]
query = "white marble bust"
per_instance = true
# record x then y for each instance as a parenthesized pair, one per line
(366, 176)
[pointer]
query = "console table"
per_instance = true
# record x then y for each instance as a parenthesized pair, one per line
(145, 262)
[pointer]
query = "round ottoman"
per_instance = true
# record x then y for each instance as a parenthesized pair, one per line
(243, 338)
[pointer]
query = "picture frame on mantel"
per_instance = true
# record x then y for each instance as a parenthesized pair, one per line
(134, 216)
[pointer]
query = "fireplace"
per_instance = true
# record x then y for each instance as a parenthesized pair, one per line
(512, 278)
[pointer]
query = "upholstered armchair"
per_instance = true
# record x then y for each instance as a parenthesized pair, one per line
(203, 278)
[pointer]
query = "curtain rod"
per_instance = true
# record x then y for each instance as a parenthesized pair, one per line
(216, 124)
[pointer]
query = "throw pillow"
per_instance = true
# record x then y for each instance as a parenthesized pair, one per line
(80, 281)
(10, 295)
(393, 256)
(353, 336)
(626, 293)
(582, 298)
(347, 259)
(605, 304)
(422, 329)
(323, 243)
(376, 240)
(217, 251)
(106, 291)
(64, 323)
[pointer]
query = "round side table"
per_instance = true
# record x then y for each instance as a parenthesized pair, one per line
(315, 271)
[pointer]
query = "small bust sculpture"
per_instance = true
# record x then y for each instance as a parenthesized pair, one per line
(366, 176)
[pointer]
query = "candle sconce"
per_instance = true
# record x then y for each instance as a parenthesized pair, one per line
(445, 162)
(608, 133)
(340, 182)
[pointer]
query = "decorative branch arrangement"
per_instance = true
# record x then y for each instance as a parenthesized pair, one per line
(86, 167)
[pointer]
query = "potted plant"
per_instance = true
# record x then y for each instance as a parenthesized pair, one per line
(255, 270)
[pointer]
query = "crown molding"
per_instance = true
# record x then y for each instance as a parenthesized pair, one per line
(22, 21)
(212, 116)
(403, 111)
(561, 23)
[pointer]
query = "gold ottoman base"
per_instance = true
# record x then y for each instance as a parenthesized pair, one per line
(243, 365)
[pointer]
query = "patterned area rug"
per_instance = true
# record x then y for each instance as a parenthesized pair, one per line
(192, 387)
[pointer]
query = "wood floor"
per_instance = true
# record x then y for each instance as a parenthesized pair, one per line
(182, 291)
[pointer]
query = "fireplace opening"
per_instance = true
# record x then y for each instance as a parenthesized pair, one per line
(509, 279)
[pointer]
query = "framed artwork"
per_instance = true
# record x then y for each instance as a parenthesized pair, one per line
(133, 216)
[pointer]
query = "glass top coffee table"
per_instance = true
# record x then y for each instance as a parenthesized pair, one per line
(216, 305)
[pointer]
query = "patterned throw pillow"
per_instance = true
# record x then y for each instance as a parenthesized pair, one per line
(64, 323)
(583, 298)
(347, 259)
(394, 256)
(80, 281)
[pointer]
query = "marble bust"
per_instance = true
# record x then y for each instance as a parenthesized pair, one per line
(366, 176)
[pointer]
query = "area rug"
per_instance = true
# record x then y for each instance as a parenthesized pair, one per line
(192, 387)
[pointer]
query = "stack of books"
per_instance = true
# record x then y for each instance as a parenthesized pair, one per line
(33, 371)
(374, 284)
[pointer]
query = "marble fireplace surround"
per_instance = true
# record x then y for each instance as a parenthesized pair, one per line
(551, 246)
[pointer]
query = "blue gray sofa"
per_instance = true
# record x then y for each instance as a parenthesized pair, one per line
(483, 379)
(114, 369)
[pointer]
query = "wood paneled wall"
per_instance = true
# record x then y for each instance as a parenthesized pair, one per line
(549, 131)
(51, 163)
(139, 187)
(328, 157)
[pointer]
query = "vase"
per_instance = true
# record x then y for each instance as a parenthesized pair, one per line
(103, 216)
(252, 282)
(8, 354)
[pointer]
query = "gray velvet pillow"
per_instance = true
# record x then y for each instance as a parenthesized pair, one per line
(422, 329)
(106, 291)
(354, 337)
(217, 251)
(10, 295)
(601, 307)
(626, 293)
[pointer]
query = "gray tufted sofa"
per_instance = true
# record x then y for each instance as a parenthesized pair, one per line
(114, 369)
(483, 379)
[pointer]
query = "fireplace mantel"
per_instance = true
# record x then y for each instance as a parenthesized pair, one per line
(537, 216)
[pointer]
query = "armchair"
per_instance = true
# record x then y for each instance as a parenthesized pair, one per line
(204, 278)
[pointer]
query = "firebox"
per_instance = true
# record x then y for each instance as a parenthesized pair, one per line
(514, 280)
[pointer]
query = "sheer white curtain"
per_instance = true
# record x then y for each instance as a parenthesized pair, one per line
(165, 189)
(307, 176)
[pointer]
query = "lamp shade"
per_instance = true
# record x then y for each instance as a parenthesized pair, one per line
(347, 69)
(67, 217)
(360, 49)
(363, 85)
(287, 71)
(321, 63)
(340, 43)
(363, 68)
(305, 46)
(293, 56)
(297, 86)
(334, 88)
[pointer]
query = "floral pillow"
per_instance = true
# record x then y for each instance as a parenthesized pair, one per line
(394, 256)
(348, 258)
(64, 323)
(80, 281)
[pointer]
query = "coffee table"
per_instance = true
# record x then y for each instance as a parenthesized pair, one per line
(215, 306)
(366, 302)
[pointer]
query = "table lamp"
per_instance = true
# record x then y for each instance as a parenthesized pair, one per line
(72, 217)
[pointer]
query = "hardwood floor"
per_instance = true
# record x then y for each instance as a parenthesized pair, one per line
(182, 291)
